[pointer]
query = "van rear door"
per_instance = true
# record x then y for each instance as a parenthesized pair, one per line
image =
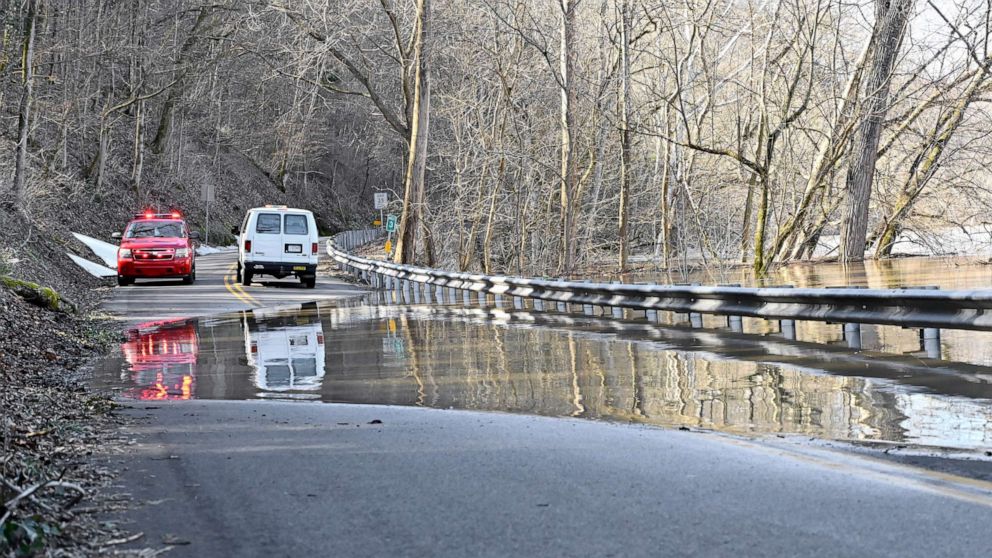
(296, 238)
(267, 241)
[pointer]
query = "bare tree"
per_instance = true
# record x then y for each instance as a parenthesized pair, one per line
(891, 17)
(24, 109)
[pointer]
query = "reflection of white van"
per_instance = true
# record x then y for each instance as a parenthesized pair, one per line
(278, 241)
(286, 352)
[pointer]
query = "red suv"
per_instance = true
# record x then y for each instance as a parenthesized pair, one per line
(156, 245)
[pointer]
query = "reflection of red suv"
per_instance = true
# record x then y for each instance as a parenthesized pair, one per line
(157, 246)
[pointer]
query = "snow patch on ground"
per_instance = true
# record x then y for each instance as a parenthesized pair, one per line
(205, 250)
(103, 250)
(94, 269)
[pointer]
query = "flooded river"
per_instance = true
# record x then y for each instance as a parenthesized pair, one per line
(521, 361)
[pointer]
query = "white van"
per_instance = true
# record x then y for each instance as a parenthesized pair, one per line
(279, 241)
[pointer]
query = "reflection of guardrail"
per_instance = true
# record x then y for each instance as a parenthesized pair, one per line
(925, 308)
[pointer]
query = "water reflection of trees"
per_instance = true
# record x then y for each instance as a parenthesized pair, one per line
(557, 372)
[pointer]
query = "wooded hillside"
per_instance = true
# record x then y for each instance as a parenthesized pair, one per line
(533, 137)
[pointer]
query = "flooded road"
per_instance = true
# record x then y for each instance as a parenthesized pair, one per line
(504, 360)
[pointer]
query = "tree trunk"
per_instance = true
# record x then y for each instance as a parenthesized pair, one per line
(569, 98)
(414, 187)
(24, 112)
(163, 133)
(139, 147)
(890, 25)
(623, 233)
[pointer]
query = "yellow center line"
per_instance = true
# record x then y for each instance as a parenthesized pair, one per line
(233, 287)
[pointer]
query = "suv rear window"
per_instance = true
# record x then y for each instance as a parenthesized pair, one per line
(156, 229)
(296, 224)
(268, 223)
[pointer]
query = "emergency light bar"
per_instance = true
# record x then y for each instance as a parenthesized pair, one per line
(150, 215)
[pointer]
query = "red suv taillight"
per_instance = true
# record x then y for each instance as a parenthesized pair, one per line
(247, 246)
(313, 248)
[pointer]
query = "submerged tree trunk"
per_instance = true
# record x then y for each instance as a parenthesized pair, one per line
(891, 17)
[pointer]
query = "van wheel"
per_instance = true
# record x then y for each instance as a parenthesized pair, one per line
(309, 282)
(239, 272)
(246, 278)
(123, 281)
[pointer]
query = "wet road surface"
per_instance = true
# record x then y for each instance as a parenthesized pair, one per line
(236, 455)
(216, 290)
(557, 365)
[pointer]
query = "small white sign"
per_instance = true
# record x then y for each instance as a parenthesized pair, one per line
(207, 193)
(381, 200)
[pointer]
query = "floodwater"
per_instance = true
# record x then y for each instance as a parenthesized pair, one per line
(569, 365)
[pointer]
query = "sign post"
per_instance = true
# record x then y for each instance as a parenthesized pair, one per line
(381, 200)
(207, 196)
(390, 228)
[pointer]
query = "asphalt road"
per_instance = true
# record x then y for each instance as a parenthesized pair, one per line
(271, 478)
(229, 478)
(215, 291)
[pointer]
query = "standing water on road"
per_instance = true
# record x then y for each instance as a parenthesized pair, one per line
(558, 365)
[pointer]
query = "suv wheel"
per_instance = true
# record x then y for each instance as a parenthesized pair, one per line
(123, 281)
(188, 280)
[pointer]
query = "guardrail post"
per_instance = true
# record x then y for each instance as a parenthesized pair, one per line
(852, 334)
(588, 309)
(852, 331)
(695, 318)
(439, 293)
(539, 304)
(406, 291)
(452, 294)
(498, 300)
(930, 336)
(466, 297)
(518, 303)
(788, 329)
(616, 311)
(930, 340)
(416, 292)
(561, 304)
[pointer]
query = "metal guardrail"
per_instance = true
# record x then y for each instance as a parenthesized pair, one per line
(924, 308)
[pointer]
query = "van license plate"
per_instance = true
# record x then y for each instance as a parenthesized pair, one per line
(299, 268)
(294, 248)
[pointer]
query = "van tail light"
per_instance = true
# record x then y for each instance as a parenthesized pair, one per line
(254, 347)
(320, 338)
(313, 248)
(247, 246)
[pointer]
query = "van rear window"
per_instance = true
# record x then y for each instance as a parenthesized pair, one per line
(296, 224)
(268, 223)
